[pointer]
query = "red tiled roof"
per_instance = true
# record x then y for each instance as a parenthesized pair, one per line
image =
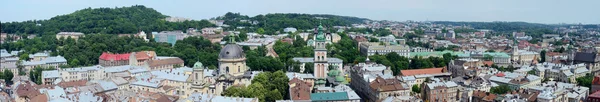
(596, 80)
(40, 98)
(595, 95)
(143, 55)
(421, 71)
(72, 83)
(500, 74)
(489, 63)
(301, 91)
(116, 57)
(27, 90)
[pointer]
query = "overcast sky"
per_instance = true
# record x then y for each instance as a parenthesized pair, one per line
(537, 11)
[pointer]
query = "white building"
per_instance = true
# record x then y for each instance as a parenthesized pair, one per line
(372, 48)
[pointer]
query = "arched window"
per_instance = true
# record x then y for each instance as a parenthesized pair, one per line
(239, 69)
(227, 69)
(196, 76)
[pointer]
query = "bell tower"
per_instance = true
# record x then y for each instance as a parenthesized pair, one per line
(320, 57)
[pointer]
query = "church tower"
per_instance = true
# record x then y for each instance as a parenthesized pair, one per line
(320, 58)
(515, 51)
(198, 74)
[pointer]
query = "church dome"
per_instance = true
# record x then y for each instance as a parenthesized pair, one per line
(232, 51)
(198, 65)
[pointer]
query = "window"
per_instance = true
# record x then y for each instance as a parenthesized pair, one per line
(227, 69)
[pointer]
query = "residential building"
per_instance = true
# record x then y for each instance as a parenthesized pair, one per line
(212, 30)
(420, 49)
(164, 63)
(299, 90)
(594, 97)
(558, 72)
(440, 91)
(290, 30)
(464, 67)
(134, 58)
(375, 82)
(515, 80)
(552, 91)
(49, 62)
(170, 37)
(595, 84)
(73, 35)
(421, 75)
(372, 48)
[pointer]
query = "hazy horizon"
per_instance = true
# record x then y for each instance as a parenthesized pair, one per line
(533, 11)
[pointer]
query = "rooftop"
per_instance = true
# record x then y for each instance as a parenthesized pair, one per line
(421, 71)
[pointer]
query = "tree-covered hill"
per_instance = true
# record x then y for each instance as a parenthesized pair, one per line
(271, 23)
(500, 26)
(103, 20)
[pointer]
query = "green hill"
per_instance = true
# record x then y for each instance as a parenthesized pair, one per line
(278, 21)
(103, 20)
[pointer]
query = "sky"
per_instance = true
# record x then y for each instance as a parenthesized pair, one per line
(535, 11)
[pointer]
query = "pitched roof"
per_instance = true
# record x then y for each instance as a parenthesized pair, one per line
(27, 89)
(596, 80)
(145, 55)
(153, 63)
(72, 83)
(40, 98)
(380, 84)
(489, 63)
(300, 91)
(116, 57)
(421, 71)
(586, 57)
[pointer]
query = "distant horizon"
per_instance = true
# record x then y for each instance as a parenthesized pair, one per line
(534, 11)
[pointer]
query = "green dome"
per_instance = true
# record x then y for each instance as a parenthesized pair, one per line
(340, 79)
(320, 35)
(333, 73)
(320, 82)
(198, 65)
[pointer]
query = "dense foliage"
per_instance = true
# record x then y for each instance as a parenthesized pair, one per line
(398, 63)
(7, 76)
(271, 23)
(86, 50)
(502, 89)
(585, 81)
(266, 86)
(103, 20)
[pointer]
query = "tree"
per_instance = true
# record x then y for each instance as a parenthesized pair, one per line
(543, 56)
(488, 57)
(532, 72)
(309, 68)
(416, 89)
(8, 76)
(24, 57)
(265, 86)
(585, 81)
(260, 31)
(502, 89)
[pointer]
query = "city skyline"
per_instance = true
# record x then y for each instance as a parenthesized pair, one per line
(535, 11)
